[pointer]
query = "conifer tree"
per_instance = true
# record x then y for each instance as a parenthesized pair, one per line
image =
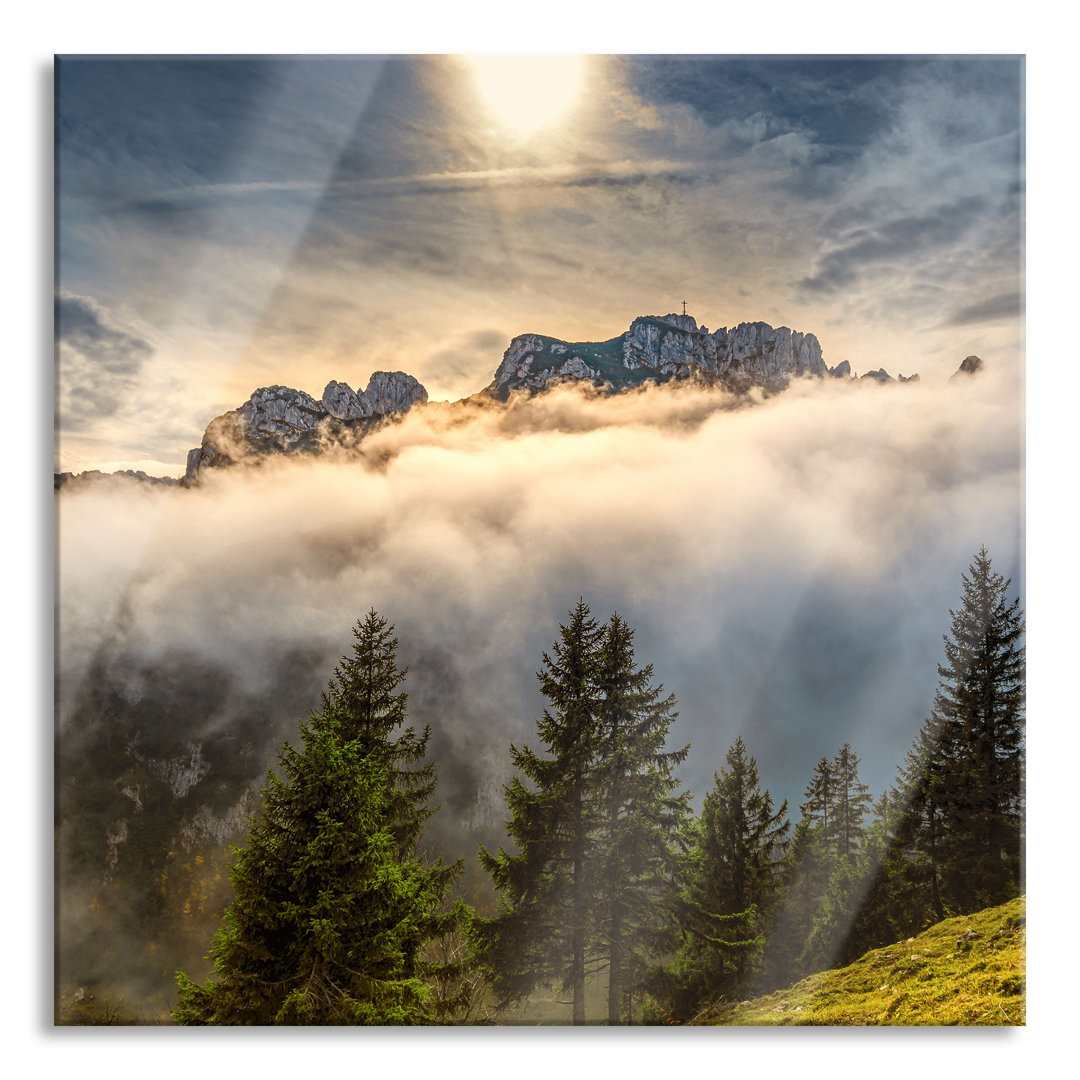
(333, 914)
(851, 803)
(819, 795)
(596, 822)
(965, 775)
(980, 704)
(813, 849)
(546, 913)
(736, 875)
(642, 810)
(842, 801)
(750, 839)
(956, 812)
(802, 892)
(887, 912)
(363, 698)
(920, 836)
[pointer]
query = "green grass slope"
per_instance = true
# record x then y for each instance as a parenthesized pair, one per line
(963, 971)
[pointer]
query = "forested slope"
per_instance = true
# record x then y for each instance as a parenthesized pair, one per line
(967, 970)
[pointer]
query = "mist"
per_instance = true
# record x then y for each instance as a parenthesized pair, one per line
(788, 563)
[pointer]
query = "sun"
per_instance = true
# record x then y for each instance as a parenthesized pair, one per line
(527, 92)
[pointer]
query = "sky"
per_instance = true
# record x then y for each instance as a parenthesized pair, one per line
(226, 224)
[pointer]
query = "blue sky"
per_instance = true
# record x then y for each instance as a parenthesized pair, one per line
(227, 224)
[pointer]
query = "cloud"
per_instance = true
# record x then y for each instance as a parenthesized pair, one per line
(98, 362)
(455, 366)
(789, 564)
(993, 309)
(564, 174)
(894, 243)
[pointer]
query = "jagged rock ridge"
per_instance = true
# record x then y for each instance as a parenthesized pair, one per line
(671, 348)
(654, 349)
(662, 349)
(278, 418)
(96, 478)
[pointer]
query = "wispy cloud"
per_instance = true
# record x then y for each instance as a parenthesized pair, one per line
(563, 174)
(894, 243)
(1003, 306)
(98, 364)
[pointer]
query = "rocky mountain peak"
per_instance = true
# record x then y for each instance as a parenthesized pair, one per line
(655, 349)
(281, 418)
(683, 322)
(387, 392)
(663, 348)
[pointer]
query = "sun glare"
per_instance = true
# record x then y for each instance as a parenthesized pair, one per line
(527, 92)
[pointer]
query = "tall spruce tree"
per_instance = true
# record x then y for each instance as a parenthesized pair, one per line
(734, 882)
(842, 801)
(980, 702)
(814, 849)
(745, 839)
(823, 874)
(886, 913)
(954, 839)
(333, 914)
(546, 917)
(919, 842)
(965, 776)
(851, 803)
(364, 699)
(642, 809)
(596, 822)
(818, 810)
(802, 891)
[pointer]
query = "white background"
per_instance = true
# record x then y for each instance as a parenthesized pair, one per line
(316, 26)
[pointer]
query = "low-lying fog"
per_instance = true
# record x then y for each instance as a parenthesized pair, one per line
(788, 564)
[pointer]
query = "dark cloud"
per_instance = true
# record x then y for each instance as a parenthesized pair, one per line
(84, 325)
(1007, 305)
(98, 361)
(893, 242)
(158, 216)
(152, 122)
(845, 103)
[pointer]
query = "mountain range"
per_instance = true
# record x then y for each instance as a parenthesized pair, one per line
(655, 349)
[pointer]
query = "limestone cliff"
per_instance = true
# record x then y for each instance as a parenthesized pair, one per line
(662, 349)
(278, 418)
